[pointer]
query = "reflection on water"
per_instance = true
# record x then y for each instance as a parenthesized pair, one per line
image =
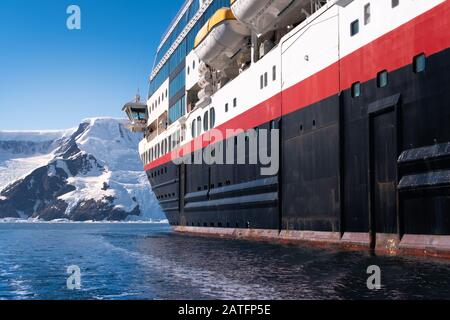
(143, 261)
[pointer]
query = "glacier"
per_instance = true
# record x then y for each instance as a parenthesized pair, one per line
(89, 173)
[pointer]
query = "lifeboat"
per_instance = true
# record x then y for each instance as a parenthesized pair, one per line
(263, 16)
(220, 39)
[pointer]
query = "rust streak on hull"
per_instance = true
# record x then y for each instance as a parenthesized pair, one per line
(387, 244)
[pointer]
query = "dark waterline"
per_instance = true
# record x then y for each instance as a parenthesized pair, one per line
(144, 261)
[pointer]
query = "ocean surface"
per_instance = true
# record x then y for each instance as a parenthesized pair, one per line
(148, 261)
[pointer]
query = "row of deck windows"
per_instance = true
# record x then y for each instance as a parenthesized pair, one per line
(234, 105)
(159, 172)
(158, 100)
(164, 147)
(264, 79)
(166, 196)
(354, 26)
(419, 65)
(208, 121)
(213, 186)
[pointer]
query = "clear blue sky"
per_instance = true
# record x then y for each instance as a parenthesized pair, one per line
(51, 77)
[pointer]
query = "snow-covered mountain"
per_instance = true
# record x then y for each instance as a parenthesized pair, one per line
(91, 173)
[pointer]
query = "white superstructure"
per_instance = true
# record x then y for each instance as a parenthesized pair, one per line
(250, 54)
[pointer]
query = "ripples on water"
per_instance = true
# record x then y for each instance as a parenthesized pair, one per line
(143, 261)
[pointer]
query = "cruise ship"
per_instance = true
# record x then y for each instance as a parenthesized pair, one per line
(358, 94)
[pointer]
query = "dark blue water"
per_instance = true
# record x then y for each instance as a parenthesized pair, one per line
(143, 261)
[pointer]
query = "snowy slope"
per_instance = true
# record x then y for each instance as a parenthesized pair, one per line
(34, 136)
(89, 173)
(14, 168)
(23, 152)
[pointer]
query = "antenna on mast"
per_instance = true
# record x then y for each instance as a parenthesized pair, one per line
(138, 96)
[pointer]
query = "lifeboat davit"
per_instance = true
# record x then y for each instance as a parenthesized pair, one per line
(263, 16)
(220, 39)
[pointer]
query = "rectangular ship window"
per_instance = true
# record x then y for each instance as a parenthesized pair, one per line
(367, 14)
(354, 28)
(265, 79)
(262, 82)
(356, 90)
(420, 63)
(274, 73)
(382, 79)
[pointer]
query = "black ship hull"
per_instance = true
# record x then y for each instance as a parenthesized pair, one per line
(370, 171)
